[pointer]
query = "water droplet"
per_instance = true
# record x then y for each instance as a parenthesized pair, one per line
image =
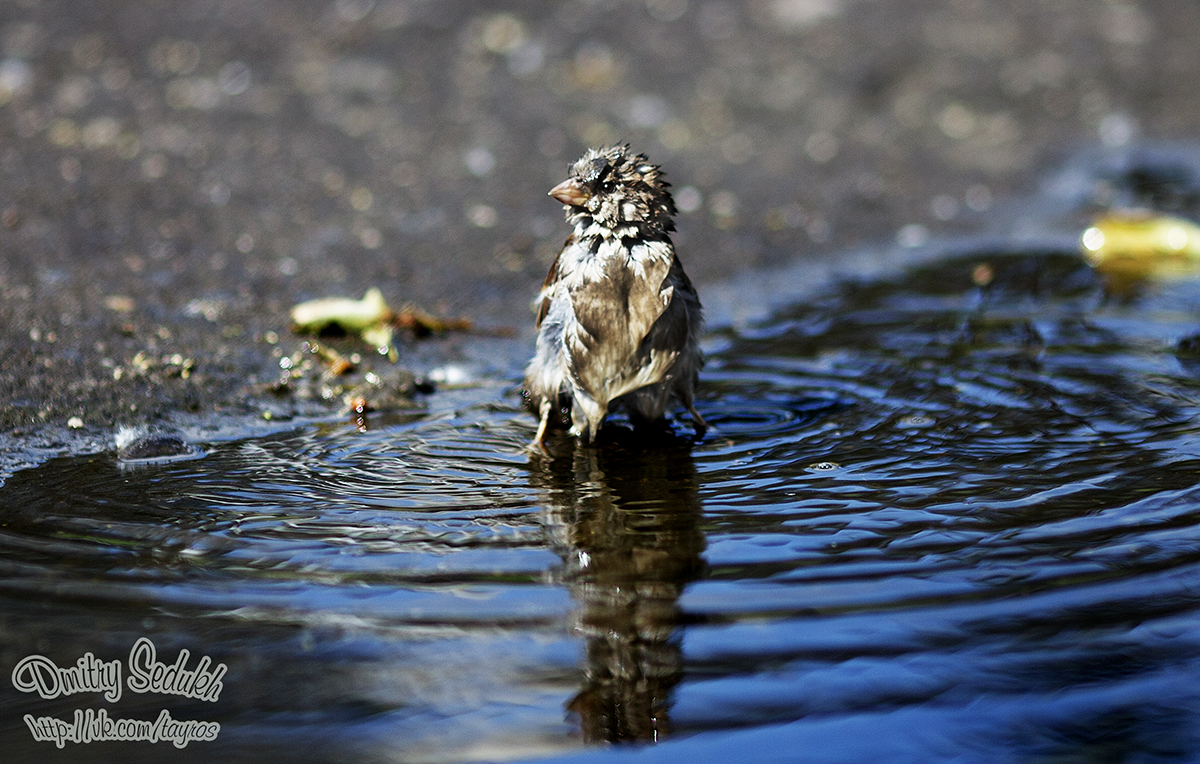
(824, 466)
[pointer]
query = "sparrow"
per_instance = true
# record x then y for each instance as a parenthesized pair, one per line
(618, 320)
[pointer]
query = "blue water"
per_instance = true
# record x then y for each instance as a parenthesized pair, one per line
(940, 517)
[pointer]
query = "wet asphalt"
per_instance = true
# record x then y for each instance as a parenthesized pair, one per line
(174, 176)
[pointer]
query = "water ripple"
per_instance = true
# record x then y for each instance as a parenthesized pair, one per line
(918, 497)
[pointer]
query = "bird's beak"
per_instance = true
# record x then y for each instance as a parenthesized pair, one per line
(571, 192)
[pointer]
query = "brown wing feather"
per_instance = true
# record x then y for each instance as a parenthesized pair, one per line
(617, 313)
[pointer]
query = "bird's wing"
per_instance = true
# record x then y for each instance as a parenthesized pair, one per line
(548, 285)
(616, 313)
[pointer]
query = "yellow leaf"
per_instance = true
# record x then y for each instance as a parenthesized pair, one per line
(354, 316)
(1139, 244)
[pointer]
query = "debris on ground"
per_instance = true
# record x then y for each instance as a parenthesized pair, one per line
(317, 371)
(372, 320)
(352, 316)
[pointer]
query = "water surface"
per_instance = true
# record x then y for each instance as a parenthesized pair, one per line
(945, 515)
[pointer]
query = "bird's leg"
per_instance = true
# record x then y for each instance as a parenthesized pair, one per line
(539, 440)
(586, 417)
(698, 422)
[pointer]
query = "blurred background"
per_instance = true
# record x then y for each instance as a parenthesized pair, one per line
(175, 175)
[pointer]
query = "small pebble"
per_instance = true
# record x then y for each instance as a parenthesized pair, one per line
(138, 443)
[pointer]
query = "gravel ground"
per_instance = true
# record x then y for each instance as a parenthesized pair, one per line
(175, 175)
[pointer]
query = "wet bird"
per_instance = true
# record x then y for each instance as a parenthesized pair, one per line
(618, 320)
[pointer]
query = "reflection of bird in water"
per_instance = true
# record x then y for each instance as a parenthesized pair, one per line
(619, 322)
(625, 520)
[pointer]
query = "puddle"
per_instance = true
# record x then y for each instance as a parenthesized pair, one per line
(949, 513)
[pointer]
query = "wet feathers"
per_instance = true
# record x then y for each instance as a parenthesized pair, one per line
(618, 319)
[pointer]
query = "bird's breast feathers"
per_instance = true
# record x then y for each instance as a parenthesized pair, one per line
(595, 259)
